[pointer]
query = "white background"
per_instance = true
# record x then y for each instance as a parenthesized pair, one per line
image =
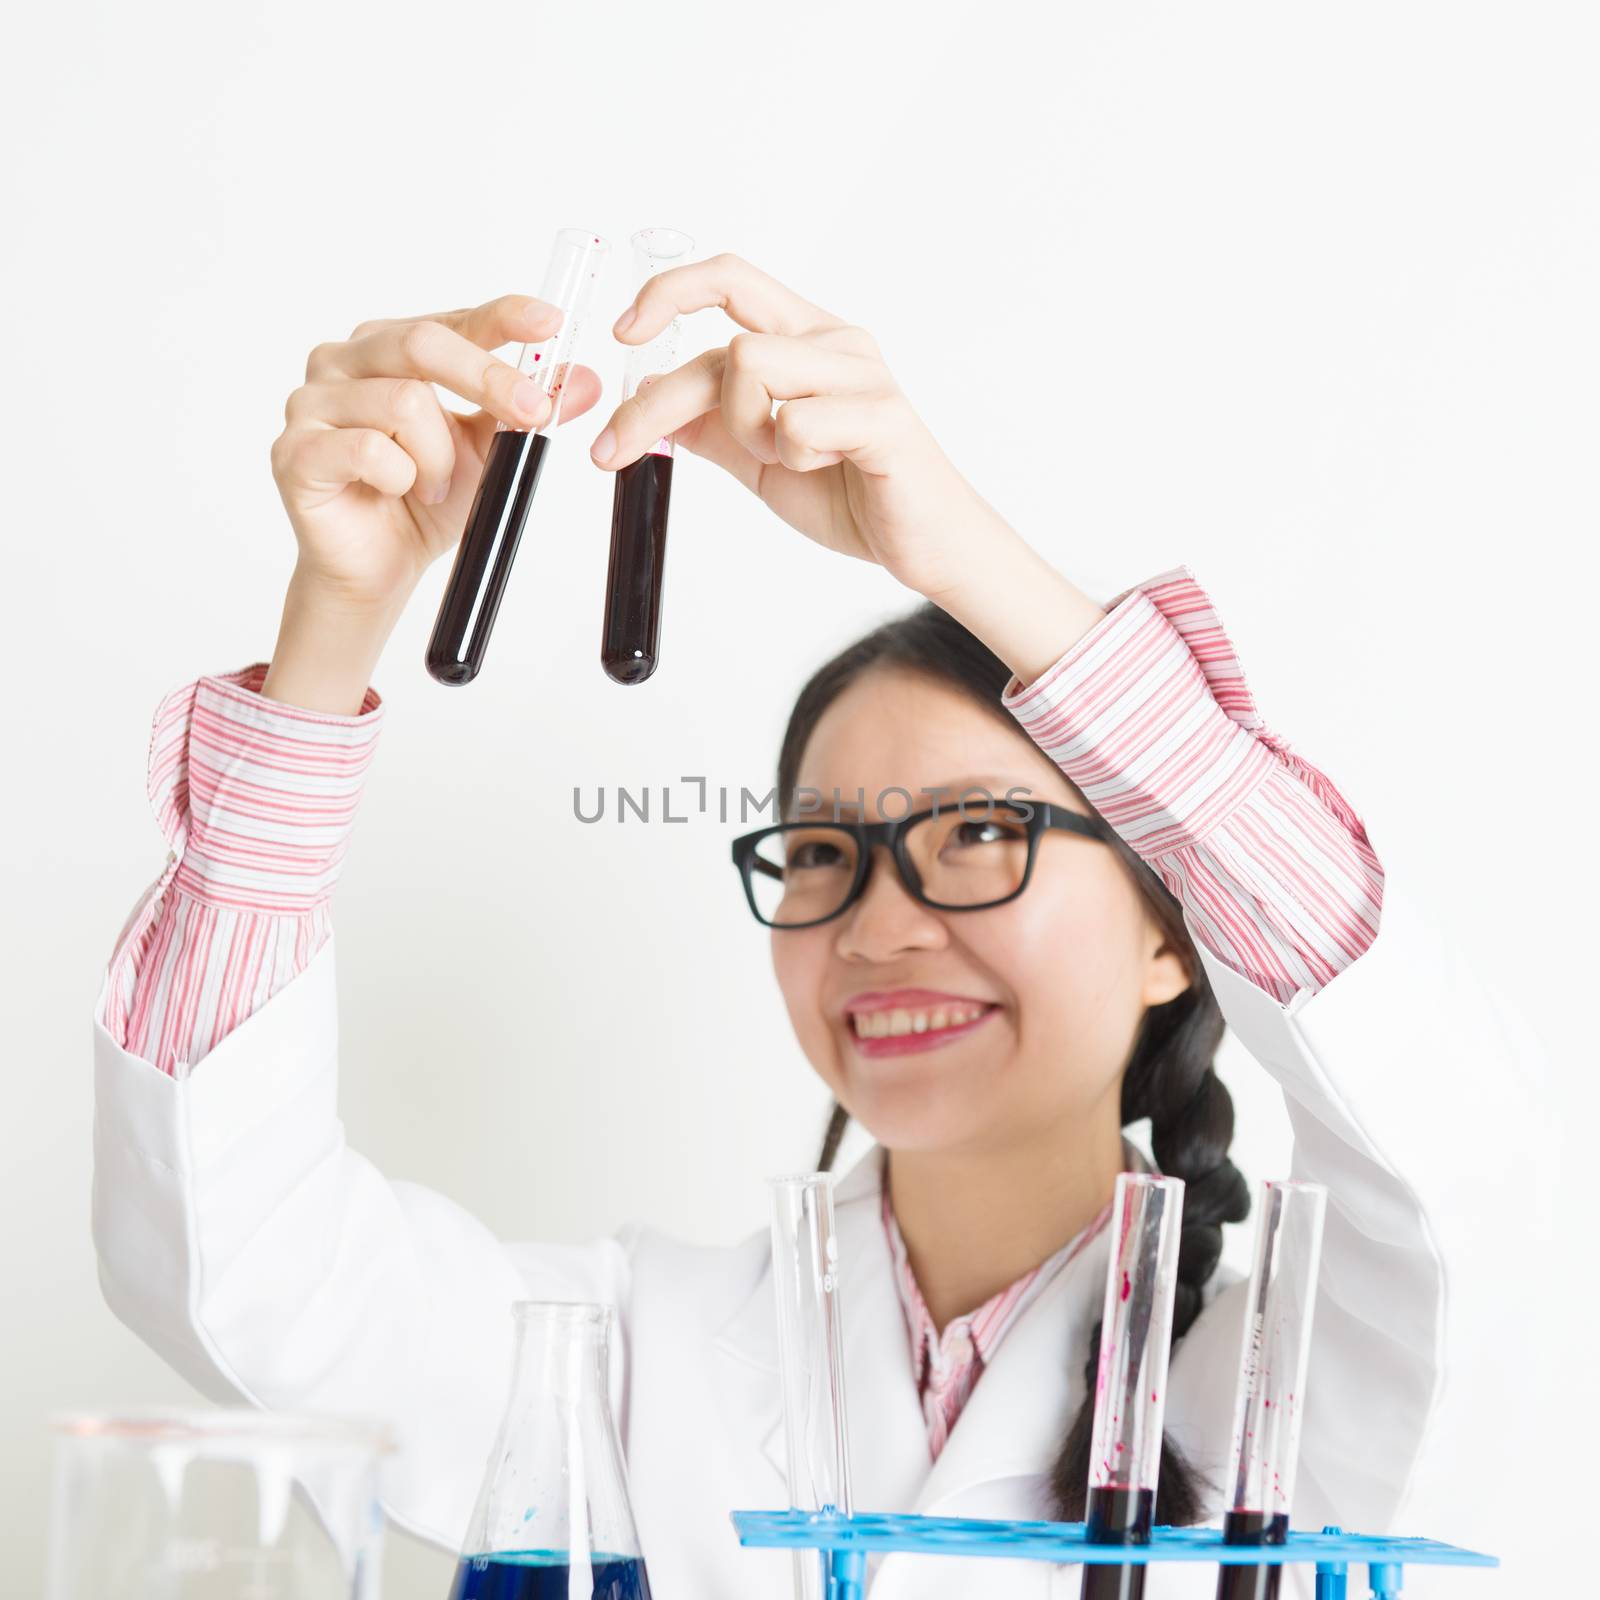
(1301, 296)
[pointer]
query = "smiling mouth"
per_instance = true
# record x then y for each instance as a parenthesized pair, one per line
(898, 1030)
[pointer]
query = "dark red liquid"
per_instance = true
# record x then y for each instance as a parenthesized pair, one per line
(1251, 1583)
(630, 641)
(1117, 1516)
(484, 556)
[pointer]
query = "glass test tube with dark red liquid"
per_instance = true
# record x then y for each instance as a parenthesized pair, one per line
(630, 638)
(1270, 1399)
(511, 473)
(1131, 1379)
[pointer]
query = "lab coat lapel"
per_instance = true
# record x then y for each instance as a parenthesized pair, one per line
(888, 1439)
(1012, 1426)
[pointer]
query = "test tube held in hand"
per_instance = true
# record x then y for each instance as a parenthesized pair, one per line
(1131, 1379)
(630, 641)
(1270, 1399)
(511, 472)
(805, 1271)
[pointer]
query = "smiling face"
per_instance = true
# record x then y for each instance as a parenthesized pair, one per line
(980, 1030)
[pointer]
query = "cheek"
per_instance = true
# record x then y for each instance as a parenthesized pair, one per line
(1068, 950)
(800, 963)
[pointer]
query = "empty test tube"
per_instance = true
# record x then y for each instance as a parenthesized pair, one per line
(805, 1270)
(511, 472)
(1131, 1380)
(1270, 1399)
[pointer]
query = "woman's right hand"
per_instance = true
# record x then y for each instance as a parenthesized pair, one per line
(378, 476)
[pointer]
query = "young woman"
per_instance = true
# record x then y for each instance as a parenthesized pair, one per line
(993, 1000)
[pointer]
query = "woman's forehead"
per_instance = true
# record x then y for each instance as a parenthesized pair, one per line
(897, 729)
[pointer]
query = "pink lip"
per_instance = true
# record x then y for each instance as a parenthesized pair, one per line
(912, 1000)
(908, 999)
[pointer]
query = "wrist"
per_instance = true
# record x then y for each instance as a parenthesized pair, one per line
(1021, 607)
(328, 647)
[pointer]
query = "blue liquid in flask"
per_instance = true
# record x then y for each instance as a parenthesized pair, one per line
(548, 1575)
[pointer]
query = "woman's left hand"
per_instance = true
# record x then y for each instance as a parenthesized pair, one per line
(846, 460)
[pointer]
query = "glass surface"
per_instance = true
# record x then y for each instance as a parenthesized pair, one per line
(805, 873)
(512, 465)
(1270, 1398)
(1136, 1332)
(553, 1518)
(215, 1505)
(805, 1271)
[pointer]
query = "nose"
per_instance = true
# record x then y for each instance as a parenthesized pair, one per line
(886, 920)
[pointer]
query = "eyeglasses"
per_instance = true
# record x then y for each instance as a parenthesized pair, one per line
(797, 874)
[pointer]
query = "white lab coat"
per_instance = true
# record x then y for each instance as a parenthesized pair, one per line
(243, 1240)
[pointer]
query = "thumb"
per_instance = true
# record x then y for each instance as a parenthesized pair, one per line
(706, 437)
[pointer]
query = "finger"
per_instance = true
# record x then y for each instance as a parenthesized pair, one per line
(329, 458)
(670, 402)
(747, 294)
(580, 389)
(821, 431)
(770, 368)
(509, 318)
(709, 440)
(763, 369)
(406, 409)
(439, 354)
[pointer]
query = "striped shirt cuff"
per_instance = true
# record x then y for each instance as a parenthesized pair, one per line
(256, 797)
(1128, 714)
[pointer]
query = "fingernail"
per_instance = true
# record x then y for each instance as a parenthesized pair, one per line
(528, 397)
(604, 447)
(441, 493)
(625, 321)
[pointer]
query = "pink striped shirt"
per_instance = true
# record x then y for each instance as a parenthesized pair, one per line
(1148, 714)
(257, 800)
(949, 1364)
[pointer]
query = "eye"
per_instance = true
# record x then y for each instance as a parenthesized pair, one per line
(986, 830)
(814, 853)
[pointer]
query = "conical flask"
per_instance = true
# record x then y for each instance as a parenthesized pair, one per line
(553, 1521)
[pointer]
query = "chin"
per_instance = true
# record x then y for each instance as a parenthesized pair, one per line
(912, 1118)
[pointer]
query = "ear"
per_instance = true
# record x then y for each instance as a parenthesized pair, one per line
(1165, 976)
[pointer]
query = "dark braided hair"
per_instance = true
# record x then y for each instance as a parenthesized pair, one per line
(1167, 1078)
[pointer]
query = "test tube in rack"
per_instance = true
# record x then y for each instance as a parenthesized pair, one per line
(1270, 1398)
(1131, 1378)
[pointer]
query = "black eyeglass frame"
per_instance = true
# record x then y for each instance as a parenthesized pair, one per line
(1042, 818)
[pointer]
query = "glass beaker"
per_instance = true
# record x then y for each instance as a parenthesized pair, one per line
(230, 1504)
(553, 1520)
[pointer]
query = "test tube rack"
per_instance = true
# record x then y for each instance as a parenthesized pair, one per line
(846, 1541)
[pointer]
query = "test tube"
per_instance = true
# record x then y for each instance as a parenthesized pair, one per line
(630, 639)
(511, 472)
(1130, 1397)
(1270, 1399)
(805, 1271)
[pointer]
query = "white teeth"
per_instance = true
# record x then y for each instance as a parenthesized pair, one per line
(902, 1021)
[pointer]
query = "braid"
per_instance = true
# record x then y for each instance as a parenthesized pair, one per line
(838, 1121)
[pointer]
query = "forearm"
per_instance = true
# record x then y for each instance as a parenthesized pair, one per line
(328, 648)
(1012, 599)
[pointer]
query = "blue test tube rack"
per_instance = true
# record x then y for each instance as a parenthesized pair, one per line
(845, 1543)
